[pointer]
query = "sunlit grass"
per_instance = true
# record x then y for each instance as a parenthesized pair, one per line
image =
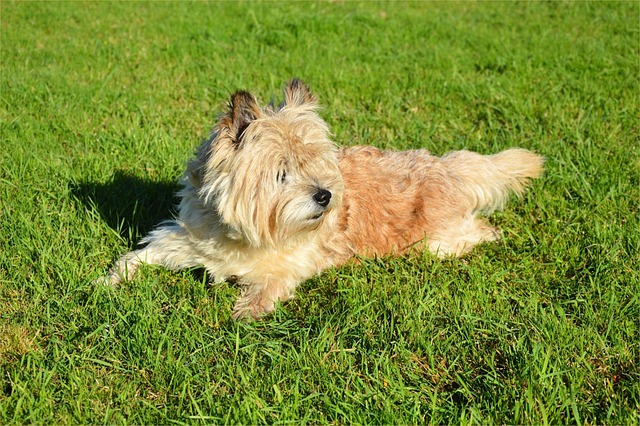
(102, 104)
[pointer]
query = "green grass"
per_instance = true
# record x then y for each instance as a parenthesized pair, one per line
(102, 104)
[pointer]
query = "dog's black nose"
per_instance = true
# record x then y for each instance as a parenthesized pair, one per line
(322, 197)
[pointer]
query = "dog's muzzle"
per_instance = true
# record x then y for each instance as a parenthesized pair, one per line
(322, 197)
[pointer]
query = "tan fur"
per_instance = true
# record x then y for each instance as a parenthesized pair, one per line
(270, 199)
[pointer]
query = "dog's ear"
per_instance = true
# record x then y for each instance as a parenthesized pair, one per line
(243, 109)
(296, 93)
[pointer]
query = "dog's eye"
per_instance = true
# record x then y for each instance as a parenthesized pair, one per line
(282, 176)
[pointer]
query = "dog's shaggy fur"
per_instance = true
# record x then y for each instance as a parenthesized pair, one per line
(269, 199)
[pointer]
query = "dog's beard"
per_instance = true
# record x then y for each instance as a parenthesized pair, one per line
(260, 211)
(299, 214)
(287, 217)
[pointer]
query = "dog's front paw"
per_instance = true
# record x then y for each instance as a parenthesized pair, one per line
(105, 280)
(252, 309)
(123, 270)
(257, 300)
(112, 279)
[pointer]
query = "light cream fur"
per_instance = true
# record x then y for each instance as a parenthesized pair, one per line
(255, 201)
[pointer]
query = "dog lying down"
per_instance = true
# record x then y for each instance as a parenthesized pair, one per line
(271, 200)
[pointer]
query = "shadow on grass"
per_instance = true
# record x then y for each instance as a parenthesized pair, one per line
(130, 204)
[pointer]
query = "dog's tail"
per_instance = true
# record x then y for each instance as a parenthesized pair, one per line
(488, 180)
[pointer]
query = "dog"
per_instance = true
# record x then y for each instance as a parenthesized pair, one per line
(270, 201)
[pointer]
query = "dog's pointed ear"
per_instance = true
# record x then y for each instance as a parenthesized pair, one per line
(243, 109)
(296, 93)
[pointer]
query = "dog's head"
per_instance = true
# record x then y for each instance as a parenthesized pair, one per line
(271, 174)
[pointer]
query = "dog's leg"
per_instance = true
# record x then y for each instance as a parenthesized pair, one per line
(168, 246)
(462, 236)
(258, 300)
(482, 184)
(126, 267)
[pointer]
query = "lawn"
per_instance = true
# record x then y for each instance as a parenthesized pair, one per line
(102, 105)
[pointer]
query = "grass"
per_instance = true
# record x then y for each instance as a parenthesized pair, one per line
(102, 104)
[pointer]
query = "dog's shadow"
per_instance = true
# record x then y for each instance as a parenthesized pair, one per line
(130, 204)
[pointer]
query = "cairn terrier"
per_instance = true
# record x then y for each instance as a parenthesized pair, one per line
(270, 200)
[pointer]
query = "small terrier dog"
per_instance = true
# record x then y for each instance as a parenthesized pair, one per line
(270, 200)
